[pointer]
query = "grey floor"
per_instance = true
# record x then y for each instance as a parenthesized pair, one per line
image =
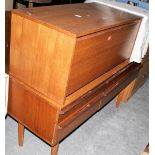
(111, 131)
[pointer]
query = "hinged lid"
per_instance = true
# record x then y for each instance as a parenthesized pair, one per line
(78, 20)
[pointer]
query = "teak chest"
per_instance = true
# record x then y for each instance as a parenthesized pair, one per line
(66, 63)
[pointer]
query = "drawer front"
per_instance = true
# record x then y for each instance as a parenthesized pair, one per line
(99, 52)
(79, 106)
(68, 124)
(81, 109)
(31, 110)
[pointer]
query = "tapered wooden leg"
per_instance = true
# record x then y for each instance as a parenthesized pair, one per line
(20, 134)
(124, 95)
(119, 99)
(54, 149)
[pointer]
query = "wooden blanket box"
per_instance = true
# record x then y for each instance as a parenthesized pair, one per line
(66, 63)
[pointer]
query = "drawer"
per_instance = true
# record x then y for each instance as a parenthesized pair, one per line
(123, 81)
(97, 53)
(80, 110)
(72, 120)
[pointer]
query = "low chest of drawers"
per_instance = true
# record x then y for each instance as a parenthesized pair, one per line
(66, 63)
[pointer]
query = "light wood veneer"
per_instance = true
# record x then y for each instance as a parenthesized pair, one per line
(66, 63)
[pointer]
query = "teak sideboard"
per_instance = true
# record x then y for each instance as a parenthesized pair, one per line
(66, 63)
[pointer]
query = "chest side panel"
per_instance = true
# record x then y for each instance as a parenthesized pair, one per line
(40, 57)
(32, 110)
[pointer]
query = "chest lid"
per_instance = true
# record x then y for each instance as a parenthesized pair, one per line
(77, 20)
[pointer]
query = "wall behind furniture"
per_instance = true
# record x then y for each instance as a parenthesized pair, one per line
(8, 4)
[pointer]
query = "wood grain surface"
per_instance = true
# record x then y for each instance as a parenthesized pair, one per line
(88, 104)
(70, 98)
(56, 64)
(66, 63)
(78, 19)
(20, 134)
(97, 53)
(40, 57)
(32, 111)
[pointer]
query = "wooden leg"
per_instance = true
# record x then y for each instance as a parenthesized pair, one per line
(20, 134)
(119, 99)
(54, 150)
(124, 95)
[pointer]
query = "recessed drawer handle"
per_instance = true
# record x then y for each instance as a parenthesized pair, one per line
(71, 118)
